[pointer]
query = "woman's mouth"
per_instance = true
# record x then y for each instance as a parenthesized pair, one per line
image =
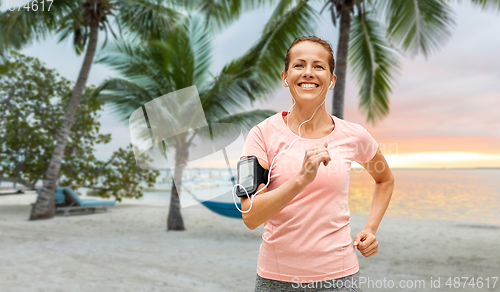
(308, 85)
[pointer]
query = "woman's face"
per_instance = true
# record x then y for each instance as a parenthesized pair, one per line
(308, 73)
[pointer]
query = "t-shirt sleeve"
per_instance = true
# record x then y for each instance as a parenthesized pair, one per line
(366, 146)
(255, 145)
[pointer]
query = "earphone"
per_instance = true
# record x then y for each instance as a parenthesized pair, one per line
(286, 82)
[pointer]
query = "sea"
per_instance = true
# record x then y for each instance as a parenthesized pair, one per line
(447, 194)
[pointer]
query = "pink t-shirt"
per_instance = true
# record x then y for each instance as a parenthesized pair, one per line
(310, 239)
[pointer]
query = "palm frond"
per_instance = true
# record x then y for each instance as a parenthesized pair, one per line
(136, 63)
(124, 96)
(200, 43)
(246, 120)
(147, 19)
(165, 66)
(219, 14)
(225, 130)
(487, 4)
(418, 25)
(153, 69)
(175, 57)
(72, 24)
(373, 64)
(20, 28)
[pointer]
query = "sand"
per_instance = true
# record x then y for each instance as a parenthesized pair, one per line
(129, 249)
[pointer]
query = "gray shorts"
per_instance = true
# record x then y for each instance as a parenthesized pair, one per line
(345, 284)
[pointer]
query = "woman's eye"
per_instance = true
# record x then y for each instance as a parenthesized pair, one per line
(300, 66)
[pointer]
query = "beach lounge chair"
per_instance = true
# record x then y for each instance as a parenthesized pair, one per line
(58, 197)
(67, 200)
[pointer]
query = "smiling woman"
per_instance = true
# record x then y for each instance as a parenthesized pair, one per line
(304, 205)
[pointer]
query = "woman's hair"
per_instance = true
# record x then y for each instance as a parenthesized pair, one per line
(325, 44)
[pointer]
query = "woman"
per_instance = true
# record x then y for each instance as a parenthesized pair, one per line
(306, 242)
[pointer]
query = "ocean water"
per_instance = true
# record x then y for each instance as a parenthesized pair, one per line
(457, 194)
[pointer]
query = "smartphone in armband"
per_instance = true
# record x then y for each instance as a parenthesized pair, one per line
(250, 175)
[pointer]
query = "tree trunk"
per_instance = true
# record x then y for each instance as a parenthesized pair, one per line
(174, 221)
(44, 207)
(341, 61)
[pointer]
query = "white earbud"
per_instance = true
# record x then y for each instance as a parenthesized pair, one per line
(286, 82)
(330, 84)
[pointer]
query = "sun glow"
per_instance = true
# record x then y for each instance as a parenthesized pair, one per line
(442, 160)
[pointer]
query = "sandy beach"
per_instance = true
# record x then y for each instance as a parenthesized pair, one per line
(129, 249)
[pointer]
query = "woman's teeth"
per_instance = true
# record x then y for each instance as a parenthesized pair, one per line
(308, 85)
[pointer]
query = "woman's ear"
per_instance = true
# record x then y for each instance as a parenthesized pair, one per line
(333, 80)
(283, 79)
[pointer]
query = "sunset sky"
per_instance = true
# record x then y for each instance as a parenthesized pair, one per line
(444, 111)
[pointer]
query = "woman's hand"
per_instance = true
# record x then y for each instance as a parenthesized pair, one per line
(367, 243)
(312, 160)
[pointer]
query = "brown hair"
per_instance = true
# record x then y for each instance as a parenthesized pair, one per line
(325, 44)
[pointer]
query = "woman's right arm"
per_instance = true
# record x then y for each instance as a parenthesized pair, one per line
(266, 204)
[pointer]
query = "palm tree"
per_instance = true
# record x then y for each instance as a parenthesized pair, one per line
(80, 19)
(183, 60)
(371, 32)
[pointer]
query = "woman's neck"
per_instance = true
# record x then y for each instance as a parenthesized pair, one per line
(320, 124)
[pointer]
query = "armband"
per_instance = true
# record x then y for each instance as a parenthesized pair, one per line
(250, 175)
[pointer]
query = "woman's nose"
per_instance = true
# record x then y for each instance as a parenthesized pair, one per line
(308, 72)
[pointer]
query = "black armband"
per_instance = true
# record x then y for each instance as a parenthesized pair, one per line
(250, 175)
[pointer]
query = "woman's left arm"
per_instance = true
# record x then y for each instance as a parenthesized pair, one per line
(384, 184)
